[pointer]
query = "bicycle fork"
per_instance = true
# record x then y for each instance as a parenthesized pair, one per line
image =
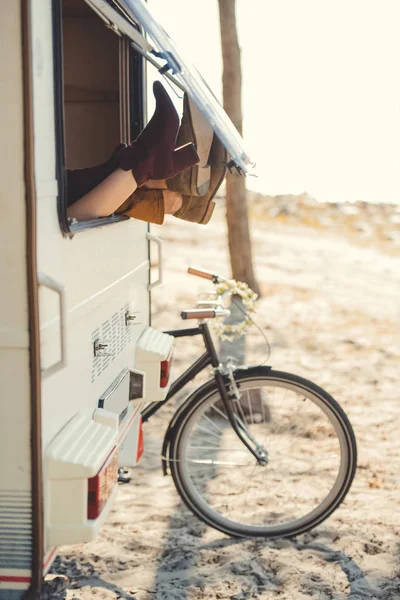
(222, 379)
(236, 422)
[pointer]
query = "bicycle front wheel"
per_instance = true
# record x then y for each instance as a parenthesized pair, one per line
(305, 434)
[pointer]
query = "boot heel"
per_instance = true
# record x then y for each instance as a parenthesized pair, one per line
(184, 157)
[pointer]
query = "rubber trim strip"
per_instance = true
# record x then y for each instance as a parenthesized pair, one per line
(33, 305)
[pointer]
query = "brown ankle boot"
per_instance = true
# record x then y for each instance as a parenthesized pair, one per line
(199, 209)
(146, 205)
(153, 155)
(195, 129)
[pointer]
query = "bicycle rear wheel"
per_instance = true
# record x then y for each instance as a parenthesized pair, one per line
(311, 452)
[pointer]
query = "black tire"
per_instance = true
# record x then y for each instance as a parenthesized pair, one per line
(322, 435)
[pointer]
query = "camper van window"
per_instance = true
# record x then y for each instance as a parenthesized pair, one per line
(99, 101)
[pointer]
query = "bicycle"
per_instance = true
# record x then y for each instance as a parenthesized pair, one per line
(255, 452)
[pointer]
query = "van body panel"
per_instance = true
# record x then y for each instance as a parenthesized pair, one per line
(98, 278)
(102, 273)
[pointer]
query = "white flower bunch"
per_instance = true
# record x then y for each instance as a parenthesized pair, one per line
(235, 288)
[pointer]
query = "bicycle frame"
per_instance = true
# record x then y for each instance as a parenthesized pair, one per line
(209, 358)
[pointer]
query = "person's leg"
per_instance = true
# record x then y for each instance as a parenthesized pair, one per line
(81, 181)
(119, 193)
(105, 198)
(151, 156)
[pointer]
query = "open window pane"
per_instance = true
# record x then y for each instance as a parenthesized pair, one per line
(185, 73)
(99, 90)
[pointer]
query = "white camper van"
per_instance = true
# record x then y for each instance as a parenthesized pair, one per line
(77, 356)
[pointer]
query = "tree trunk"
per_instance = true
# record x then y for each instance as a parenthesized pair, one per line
(236, 201)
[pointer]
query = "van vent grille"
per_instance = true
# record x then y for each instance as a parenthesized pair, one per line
(114, 331)
(15, 533)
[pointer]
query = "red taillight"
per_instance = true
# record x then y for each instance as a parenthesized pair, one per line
(165, 370)
(101, 486)
(140, 444)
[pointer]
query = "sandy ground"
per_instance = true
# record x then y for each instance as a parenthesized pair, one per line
(330, 309)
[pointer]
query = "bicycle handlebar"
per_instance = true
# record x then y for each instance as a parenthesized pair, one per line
(202, 273)
(198, 313)
(208, 312)
(203, 313)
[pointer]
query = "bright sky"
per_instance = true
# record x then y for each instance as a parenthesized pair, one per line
(321, 90)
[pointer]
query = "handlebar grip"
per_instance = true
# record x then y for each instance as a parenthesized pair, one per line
(201, 273)
(198, 313)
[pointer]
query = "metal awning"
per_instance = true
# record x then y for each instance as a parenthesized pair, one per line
(163, 53)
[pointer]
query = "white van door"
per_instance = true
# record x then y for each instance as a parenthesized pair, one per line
(88, 96)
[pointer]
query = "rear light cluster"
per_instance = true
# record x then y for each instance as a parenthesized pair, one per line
(165, 371)
(101, 486)
(140, 444)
